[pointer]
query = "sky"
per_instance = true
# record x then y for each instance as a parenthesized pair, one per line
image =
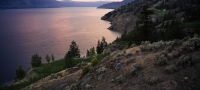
(89, 0)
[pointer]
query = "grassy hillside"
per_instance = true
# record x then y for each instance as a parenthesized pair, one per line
(35, 74)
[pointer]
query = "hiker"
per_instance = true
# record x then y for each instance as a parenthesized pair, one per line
(111, 65)
(118, 67)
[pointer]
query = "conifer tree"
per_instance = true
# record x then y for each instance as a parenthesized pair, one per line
(101, 45)
(47, 58)
(20, 73)
(88, 53)
(69, 59)
(98, 48)
(143, 31)
(74, 50)
(92, 51)
(52, 57)
(36, 60)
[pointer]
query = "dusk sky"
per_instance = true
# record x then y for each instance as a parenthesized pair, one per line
(89, 0)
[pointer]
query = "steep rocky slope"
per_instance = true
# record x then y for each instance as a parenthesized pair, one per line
(123, 22)
(127, 14)
(151, 66)
(124, 17)
(170, 65)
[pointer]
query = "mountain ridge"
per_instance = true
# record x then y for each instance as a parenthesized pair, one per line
(114, 5)
(14, 4)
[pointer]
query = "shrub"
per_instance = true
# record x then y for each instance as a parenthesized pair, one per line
(176, 53)
(170, 69)
(134, 67)
(94, 61)
(162, 59)
(186, 60)
(147, 46)
(102, 69)
(193, 43)
(153, 80)
(85, 70)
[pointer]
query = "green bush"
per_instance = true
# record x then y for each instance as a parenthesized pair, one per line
(153, 80)
(94, 61)
(85, 70)
(162, 59)
(186, 61)
(170, 69)
(135, 67)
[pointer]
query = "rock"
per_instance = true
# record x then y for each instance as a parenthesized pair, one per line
(123, 22)
(67, 88)
(54, 76)
(100, 77)
(87, 86)
(186, 78)
(112, 80)
(102, 69)
(119, 79)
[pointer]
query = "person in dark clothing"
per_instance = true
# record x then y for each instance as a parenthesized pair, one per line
(118, 67)
(111, 65)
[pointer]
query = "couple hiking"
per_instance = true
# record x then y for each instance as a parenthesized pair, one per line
(118, 66)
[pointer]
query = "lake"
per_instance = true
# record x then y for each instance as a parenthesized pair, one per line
(24, 32)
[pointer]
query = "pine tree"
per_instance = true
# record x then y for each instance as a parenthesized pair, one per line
(98, 48)
(52, 57)
(145, 26)
(47, 58)
(88, 53)
(20, 73)
(74, 50)
(69, 59)
(101, 45)
(36, 60)
(92, 51)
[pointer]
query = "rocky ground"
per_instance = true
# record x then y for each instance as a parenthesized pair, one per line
(171, 65)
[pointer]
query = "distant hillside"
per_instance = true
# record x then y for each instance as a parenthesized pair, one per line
(124, 17)
(114, 5)
(9, 4)
(4, 4)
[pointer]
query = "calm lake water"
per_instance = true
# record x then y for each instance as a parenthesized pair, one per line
(24, 32)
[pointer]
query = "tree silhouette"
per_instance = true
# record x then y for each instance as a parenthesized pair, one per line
(101, 45)
(52, 57)
(145, 27)
(48, 58)
(36, 60)
(20, 73)
(68, 59)
(74, 50)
